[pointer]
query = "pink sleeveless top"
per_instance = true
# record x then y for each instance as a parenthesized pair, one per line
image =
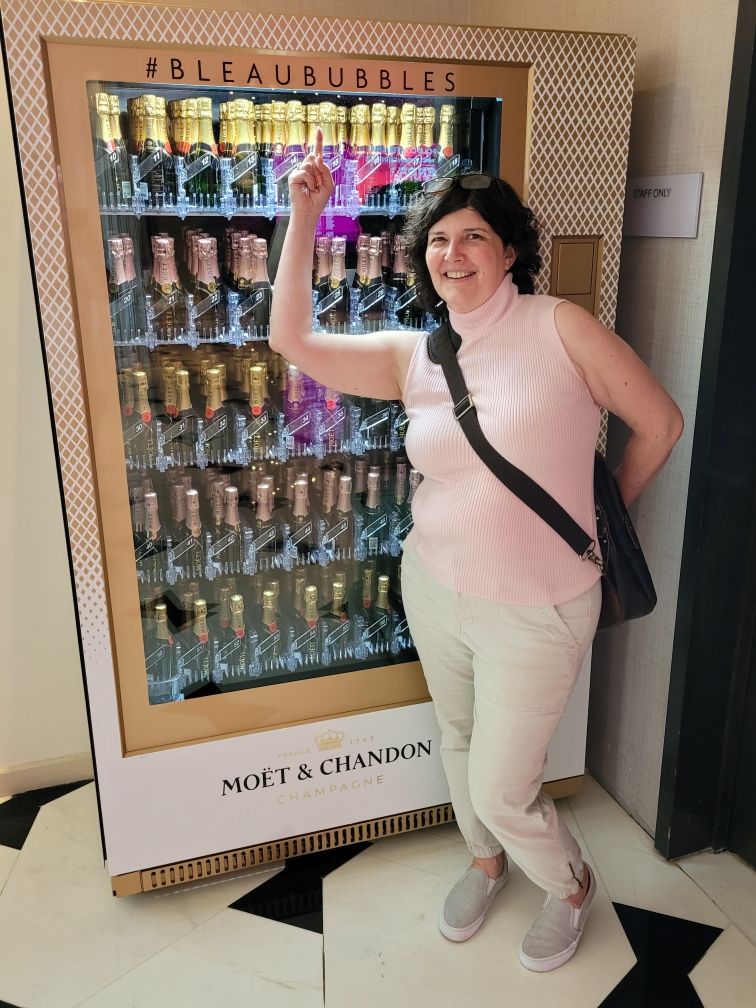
(469, 529)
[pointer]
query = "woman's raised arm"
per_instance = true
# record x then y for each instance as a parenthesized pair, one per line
(369, 364)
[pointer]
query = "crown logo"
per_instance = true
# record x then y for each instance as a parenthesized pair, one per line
(329, 740)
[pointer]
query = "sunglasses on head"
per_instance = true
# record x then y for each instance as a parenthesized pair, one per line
(469, 181)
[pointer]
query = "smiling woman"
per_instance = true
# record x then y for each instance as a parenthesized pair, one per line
(501, 610)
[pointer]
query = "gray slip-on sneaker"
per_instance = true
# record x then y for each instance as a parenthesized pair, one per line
(556, 931)
(469, 901)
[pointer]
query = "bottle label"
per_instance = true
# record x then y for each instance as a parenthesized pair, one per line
(145, 549)
(156, 656)
(375, 419)
(369, 166)
(249, 304)
(242, 167)
(373, 296)
(216, 427)
(269, 641)
(200, 164)
(184, 547)
(409, 168)
(303, 639)
(331, 299)
(373, 528)
(262, 540)
(374, 628)
(405, 524)
(162, 304)
(256, 426)
(305, 530)
(223, 543)
(191, 656)
(172, 432)
(228, 649)
(336, 634)
(133, 432)
(151, 161)
(209, 302)
(334, 420)
(333, 533)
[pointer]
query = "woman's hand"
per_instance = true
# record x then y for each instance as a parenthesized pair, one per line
(311, 185)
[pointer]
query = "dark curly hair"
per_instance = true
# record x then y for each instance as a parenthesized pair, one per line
(500, 207)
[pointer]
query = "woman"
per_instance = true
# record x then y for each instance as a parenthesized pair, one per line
(501, 610)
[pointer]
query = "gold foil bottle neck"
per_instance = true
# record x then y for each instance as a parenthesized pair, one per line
(301, 498)
(269, 609)
(237, 615)
(382, 602)
(200, 620)
(214, 398)
(311, 604)
(193, 522)
(345, 494)
(264, 501)
(224, 605)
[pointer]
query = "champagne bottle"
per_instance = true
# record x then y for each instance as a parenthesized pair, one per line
(139, 436)
(202, 164)
(207, 292)
(321, 273)
(376, 524)
(169, 316)
(158, 185)
(180, 436)
(217, 434)
(260, 432)
(446, 137)
(332, 421)
(226, 129)
(338, 538)
(302, 531)
(373, 292)
(227, 541)
(297, 412)
(268, 632)
(392, 133)
(160, 660)
(278, 131)
(195, 650)
(111, 159)
(187, 553)
(295, 128)
(150, 546)
(359, 121)
(258, 300)
(408, 135)
(246, 185)
(231, 651)
(336, 627)
(313, 120)
(267, 537)
(335, 313)
(304, 646)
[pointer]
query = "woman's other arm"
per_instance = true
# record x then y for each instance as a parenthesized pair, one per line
(619, 381)
(370, 364)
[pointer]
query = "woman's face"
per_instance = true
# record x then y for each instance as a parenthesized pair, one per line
(466, 259)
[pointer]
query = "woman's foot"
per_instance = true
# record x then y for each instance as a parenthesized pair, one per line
(469, 901)
(556, 932)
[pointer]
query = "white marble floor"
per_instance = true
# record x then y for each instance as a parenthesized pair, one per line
(65, 942)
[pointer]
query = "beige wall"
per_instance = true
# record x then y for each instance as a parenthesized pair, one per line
(678, 126)
(43, 728)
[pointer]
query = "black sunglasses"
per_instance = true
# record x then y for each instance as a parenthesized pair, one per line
(469, 181)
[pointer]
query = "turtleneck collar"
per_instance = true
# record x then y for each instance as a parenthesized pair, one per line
(481, 319)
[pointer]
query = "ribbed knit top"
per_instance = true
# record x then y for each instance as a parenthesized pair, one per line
(469, 529)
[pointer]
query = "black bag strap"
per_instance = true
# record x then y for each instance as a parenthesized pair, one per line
(442, 349)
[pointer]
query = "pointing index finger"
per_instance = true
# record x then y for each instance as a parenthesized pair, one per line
(318, 149)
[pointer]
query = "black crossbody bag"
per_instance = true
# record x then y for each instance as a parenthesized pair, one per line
(627, 588)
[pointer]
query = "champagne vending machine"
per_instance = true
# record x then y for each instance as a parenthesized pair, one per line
(235, 527)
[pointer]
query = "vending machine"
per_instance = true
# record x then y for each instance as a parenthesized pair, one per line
(236, 528)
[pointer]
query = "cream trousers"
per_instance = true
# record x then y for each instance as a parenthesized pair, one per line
(500, 677)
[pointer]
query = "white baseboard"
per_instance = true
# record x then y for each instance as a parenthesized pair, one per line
(46, 773)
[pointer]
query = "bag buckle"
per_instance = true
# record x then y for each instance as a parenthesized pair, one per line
(463, 406)
(592, 555)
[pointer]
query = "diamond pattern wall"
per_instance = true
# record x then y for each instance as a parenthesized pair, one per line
(582, 92)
